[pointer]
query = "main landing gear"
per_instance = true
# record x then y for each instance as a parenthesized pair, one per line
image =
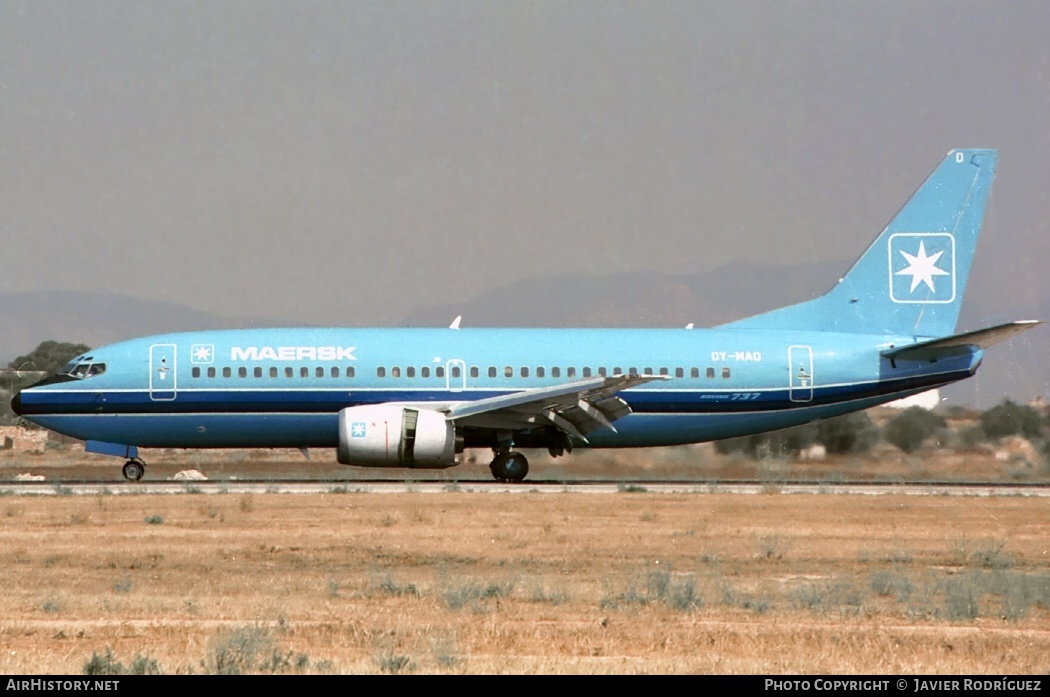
(134, 469)
(509, 467)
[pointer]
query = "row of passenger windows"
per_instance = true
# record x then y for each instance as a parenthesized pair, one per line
(456, 371)
(542, 372)
(289, 372)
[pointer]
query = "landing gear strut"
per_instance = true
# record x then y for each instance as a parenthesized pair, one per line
(509, 467)
(134, 469)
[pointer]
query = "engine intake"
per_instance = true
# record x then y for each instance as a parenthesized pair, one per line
(391, 435)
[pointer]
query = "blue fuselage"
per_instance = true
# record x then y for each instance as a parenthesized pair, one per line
(285, 387)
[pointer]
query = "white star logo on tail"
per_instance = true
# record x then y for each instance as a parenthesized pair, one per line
(922, 268)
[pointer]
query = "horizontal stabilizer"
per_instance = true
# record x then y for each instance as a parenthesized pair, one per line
(978, 339)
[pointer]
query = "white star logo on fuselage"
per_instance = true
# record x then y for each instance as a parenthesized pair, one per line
(922, 268)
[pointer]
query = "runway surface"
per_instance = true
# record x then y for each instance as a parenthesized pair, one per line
(492, 487)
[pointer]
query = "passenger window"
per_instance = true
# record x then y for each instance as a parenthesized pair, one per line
(473, 371)
(211, 372)
(694, 372)
(425, 372)
(601, 371)
(439, 372)
(710, 373)
(524, 372)
(586, 372)
(334, 372)
(725, 372)
(410, 371)
(617, 371)
(508, 372)
(196, 372)
(289, 371)
(380, 372)
(679, 373)
(492, 371)
(555, 372)
(395, 372)
(350, 371)
(539, 372)
(456, 372)
(633, 372)
(273, 372)
(304, 372)
(226, 372)
(319, 371)
(257, 372)
(663, 371)
(242, 372)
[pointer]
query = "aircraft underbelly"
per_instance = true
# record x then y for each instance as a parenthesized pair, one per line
(202, 430)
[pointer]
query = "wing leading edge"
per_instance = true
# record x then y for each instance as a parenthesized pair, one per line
(577, 408)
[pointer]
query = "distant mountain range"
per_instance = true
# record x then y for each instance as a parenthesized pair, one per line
(94, 319)
(1018, 369)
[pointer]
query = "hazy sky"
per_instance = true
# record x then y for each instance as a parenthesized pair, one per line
(344, 162)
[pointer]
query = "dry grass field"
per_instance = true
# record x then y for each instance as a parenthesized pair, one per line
(454, 582)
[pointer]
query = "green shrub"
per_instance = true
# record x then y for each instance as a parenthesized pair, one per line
(782, 443)
(395, 663)
(103, 665)
(1009, 418)
(909, 429)
(107, 664)
(849, 433)
(246, 650)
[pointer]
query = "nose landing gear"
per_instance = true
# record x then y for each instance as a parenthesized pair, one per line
(134, 469)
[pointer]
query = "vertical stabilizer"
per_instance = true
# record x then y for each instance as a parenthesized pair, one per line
(910, 281)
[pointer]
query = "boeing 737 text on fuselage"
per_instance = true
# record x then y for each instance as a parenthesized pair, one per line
(415, 398)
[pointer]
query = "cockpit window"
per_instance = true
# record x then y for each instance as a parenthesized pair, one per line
(82, 369)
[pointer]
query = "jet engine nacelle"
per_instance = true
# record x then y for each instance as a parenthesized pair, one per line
(391, 435)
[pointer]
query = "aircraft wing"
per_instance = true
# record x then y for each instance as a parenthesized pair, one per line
(978, 339)
(576, 408)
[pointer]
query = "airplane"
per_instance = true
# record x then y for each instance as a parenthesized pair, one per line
(417, 397)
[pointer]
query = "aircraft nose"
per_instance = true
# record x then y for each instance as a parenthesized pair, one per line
(16, 403)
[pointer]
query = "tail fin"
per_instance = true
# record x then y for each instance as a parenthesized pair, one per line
(910, 281)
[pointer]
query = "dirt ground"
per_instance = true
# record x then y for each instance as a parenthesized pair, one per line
(453, 582)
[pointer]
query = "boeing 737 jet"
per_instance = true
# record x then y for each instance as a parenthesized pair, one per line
(415, 398)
